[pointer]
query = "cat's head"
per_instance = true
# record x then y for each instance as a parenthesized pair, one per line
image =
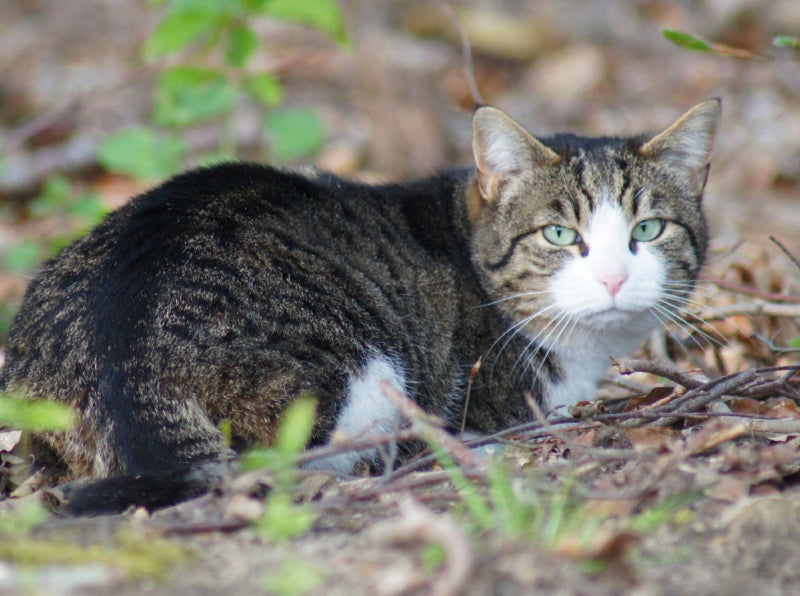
(600, 233)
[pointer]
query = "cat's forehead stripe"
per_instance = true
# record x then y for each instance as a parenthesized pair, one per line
(604, 176)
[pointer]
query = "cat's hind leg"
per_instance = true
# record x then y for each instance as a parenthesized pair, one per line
(367, 413)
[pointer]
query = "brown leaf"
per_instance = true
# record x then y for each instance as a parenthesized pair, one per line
(655, 395)
(713, 433)
(744, 405)
(606, 542)
(730, 488)
(780, 407)
(650, 437)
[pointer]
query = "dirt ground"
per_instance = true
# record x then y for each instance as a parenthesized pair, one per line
(699, 496)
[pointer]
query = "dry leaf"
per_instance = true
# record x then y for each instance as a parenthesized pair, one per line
(781, 407)
(744, 405)
(652, 437)
(9, 439)
(713, 434)
(655, 395)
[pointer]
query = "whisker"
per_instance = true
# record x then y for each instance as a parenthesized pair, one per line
(568, 324)
(552, 325)
(679, 308)
(684, 324)
(678, 341)
(512, 332)
(512, 297)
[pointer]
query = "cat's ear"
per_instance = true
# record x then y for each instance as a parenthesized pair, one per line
(502, 148)
(689, 141)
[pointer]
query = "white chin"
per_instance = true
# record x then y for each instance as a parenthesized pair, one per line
(614, 317)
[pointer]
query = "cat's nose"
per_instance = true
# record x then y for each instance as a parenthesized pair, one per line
(613, 283)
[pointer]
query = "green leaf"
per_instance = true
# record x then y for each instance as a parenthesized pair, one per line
(142, 154)
(687, 41)
(89, 208)
(20, 521)
(56, 194)
(794, 343)
(433, 556)
(283, 519)
(266, 88)
(57, 197)
(22, 257)
(27, 414)
(294, 578)
(295, 133)
(242, 42)
(320, 14)
(786, 41)
(296, 426)
(178, 30)
(187, 94)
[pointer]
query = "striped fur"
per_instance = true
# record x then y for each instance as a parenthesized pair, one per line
(227, 292)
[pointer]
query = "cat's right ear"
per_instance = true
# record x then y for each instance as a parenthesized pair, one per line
(689, 141)
(502, 148)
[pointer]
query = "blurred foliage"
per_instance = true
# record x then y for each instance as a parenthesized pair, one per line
(688, 41)
(215, 42)
(283, 518)
(294, 578)
(134, 555)
(204, 50)
(57, 199)
(24, 414)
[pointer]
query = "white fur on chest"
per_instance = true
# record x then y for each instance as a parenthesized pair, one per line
(584, 361)
(367, 413)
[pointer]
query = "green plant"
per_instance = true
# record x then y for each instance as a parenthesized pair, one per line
(24, 414)
(134, 555)
(214, 42)
(697, 43)
(294, 578)
(283, 518)
(58, 199)
(518, 507)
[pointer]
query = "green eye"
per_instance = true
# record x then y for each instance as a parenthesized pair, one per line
(647, 230)
(559, 235)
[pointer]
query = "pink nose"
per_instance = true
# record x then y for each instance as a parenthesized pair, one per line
(613, 283)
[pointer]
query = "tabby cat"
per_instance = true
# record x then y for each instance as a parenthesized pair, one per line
(228, 291)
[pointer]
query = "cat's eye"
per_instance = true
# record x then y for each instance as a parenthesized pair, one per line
(559, 235)
(647, 230)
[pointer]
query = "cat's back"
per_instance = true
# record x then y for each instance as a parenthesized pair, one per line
(235, 254)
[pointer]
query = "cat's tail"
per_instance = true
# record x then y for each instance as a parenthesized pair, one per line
(151, 490)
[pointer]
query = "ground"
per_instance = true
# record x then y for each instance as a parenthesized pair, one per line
(691, 489)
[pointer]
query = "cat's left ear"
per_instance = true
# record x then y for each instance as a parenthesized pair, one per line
(502, 149)
(689, 141)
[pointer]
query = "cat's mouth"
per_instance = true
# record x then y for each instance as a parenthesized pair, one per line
(614, 315)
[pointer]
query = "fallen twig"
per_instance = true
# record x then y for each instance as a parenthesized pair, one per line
(428, 426)
(786, 251)
(661, 369)
(755, 293)
(756, 307)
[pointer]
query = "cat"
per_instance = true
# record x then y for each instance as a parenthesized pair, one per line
(228, 291)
